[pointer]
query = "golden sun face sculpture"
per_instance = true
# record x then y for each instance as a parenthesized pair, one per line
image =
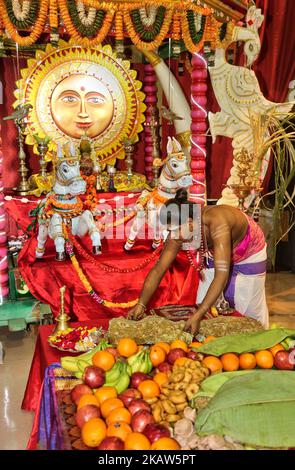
(76, 90)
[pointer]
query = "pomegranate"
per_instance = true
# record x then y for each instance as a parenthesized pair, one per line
(140, 420)
(165, 367)
(78, 391)
(282, 360)
(111, 443)
(136, 378)
(113, 351)
(129, 395)
(193, 355)
(137, 405)
(175, 354)
(155, 431)
(86, 413)
(94, 376)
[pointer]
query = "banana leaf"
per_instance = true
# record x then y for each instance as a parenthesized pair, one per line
(212, 384)
(246, 342)
(256, 409)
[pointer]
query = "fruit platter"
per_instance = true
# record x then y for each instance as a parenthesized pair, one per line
(155, 397)
(76, 340)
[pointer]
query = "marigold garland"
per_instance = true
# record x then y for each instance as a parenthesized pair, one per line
(71, 29)
(30, 17)
(88, 287)
(150, 33)
(53, 14)
(119, 26)
(36, 30)
(87, 31)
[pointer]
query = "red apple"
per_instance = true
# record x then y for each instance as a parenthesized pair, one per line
(86, 413)
(78, 391)
(155, 431)
(94, 376)
(136, 378)
(192, 355)
(137, 405)
(165, 367)
(175, 354)
(140, 420)
(111, 443)
(282, 360)
(113, 351)
(129, 395)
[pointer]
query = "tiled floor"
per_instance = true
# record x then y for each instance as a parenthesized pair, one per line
(15, 425)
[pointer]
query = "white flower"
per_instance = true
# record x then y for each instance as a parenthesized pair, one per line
(21, 12)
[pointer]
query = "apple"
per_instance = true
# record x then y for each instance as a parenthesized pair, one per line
(137, 405)
(282, 360)
(78, 391)
(86, 413)
(111, 443)
(155, 431)
(136, 378)
(129, 395)
(175, 354)
(140, 420)
(165, 367)
(94, 376)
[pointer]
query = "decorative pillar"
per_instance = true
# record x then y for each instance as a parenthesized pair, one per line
(150, 90)
(4, 289)
(198, 128)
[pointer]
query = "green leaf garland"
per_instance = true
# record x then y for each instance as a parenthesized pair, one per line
(195, 36)
(148, 33)
(32, 16)
(87, 31)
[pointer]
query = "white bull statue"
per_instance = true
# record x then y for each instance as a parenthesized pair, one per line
(63, 209)
(175, 174)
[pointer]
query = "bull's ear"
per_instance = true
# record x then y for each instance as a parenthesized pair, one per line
(177, 145)
(169, 146)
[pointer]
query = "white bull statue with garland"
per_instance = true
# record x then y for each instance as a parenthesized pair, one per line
(62, 211)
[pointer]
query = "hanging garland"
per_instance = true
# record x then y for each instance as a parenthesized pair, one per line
(90, 30)
(222, 31)
(148, 33)
(22, 14)
(37, 29)
(157, 41)
(195, 35)
(73, 31)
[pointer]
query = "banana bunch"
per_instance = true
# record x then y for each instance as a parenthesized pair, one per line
(79, 363)
(118, 377)
(140, 362)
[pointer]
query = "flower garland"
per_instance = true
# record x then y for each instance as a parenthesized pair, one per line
(193, 21)
(22, 16)
(88, 287)
(148, 19)
(53, 15)
(150, 32)
(36, 30)
(53, 205)
(157, 41)
(87, 30)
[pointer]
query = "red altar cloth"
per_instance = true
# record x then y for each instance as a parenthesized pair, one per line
(45, 277)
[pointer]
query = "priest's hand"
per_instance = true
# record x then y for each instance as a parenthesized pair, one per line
(136, 313)
(193, 323)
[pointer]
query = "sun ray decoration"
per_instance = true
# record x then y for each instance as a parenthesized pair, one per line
(50, 67)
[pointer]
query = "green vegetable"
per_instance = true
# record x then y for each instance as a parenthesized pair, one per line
(256, 409)
(248, 342)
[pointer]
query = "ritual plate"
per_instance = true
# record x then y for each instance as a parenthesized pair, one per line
(76, 340)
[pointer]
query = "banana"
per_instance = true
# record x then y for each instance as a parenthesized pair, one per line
(82, 365)
(79, 375)
(113, 375)
(69, 363)
(124, 380)
(133, 359)
(149, 363)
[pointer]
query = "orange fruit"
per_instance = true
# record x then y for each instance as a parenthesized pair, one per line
(230, 362)
(137, 441)
(278, 347)
(87, 400)
(180, 361)
(103, 359)
(162, 345)
(149, 389)
(127, 347)
(93, 432)
(161, 378)
(157, 355)
(209, 338)
(247, 361)
(264, 359)
(119, 414)
(104, 393)
(119, 429)
(178, 343)
(195, 344)
(165, 443)
(109, 405)
(213, 363)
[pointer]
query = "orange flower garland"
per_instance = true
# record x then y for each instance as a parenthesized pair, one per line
(135, 37)
(119, 26)
(76, 35)
(176, 26)
(36, 30)
(53, 14)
